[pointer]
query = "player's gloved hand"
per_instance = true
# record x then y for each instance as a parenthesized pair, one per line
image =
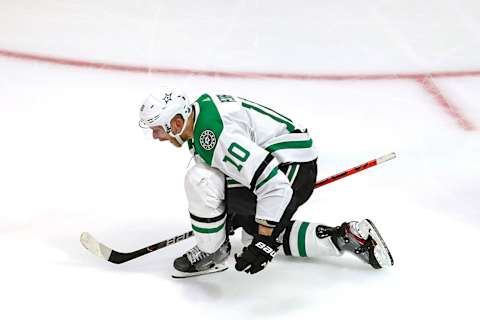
(255, 256)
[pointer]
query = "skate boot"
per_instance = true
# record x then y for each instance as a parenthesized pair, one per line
(196, 262)
(362, 238)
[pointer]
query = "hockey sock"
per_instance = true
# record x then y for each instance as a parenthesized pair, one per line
(300, 240)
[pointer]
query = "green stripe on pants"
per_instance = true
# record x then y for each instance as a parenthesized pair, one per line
(292, 172)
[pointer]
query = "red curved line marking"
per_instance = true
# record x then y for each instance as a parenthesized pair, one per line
(230, 74)
(424, 79)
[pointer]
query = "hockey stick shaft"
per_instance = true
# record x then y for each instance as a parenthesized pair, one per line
(354, 170)
(113, 256)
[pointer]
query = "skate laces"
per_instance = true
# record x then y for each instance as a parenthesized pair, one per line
(195, 254)
(354, 235)
(365, 245)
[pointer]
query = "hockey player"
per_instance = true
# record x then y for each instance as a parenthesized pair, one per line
(253, 168)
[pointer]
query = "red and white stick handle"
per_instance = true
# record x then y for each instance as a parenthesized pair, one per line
(356, 169)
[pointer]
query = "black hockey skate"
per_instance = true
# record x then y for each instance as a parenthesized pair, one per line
(196, 262)
(362, 238)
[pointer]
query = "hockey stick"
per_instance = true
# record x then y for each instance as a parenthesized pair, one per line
(356, 169)
(102, 251)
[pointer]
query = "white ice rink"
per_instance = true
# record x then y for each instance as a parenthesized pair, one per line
(73, 159)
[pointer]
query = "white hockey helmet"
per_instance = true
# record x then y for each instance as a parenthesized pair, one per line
(161, 107)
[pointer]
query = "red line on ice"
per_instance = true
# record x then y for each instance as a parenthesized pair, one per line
(424, 79)
(231, 74)
(430, 86)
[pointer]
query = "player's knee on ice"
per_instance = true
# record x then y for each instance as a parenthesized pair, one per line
(205, 190)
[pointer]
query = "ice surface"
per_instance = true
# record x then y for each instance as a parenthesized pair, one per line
(73, 158)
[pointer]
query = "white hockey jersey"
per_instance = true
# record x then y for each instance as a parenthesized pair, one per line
(235, 136)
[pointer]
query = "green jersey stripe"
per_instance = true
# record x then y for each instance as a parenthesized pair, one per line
(258, 104)
(290, 126)
(302, 231)
(272, 174)
(290, 145)
(208, 230)
(231, 181)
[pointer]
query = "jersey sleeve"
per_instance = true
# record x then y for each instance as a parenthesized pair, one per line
(241, 159)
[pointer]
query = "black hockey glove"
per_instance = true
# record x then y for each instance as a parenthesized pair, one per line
(255, 257)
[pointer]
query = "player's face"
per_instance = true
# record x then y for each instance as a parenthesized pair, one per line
(158, 133)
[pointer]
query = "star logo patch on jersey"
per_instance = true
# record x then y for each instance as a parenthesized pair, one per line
(208, 140)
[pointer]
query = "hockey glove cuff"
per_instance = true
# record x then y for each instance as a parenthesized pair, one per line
(255, 256)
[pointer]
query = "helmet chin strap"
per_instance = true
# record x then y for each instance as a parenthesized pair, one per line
(179, 139)
(177, 136)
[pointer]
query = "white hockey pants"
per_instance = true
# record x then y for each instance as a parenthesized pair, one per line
(205, 190)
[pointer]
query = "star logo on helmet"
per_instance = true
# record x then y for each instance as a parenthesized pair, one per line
(168, 97)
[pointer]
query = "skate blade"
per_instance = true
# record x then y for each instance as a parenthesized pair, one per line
(381, 252)
(215, 269)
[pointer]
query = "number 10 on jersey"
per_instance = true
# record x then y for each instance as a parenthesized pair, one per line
(239, 153)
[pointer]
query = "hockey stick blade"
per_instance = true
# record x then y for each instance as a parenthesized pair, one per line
(95, 247)
(106, 253)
